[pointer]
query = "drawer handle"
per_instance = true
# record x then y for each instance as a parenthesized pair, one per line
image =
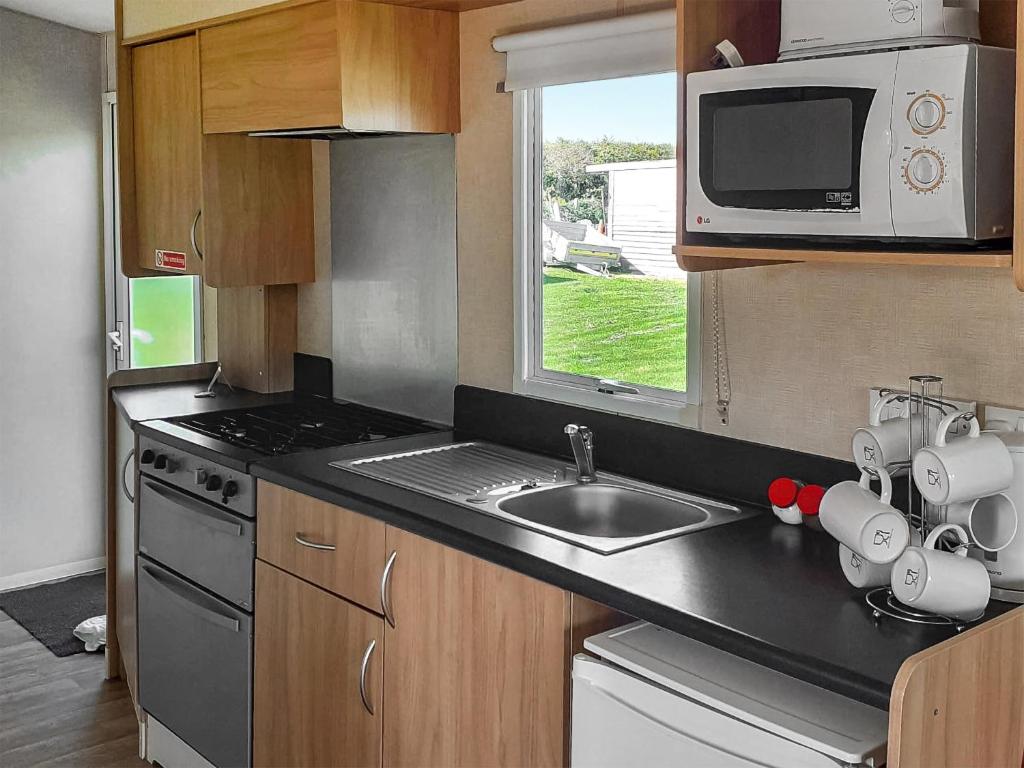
(180, 597)
(385, 590)
(300, 539)
(206, 514)
(363, 693)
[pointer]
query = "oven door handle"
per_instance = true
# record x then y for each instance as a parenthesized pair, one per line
(182, 599)
(206, 516)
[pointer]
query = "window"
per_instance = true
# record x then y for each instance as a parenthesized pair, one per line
(152, 321)
(605, 317)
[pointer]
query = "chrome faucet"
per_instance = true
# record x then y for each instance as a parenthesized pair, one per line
(582, 441)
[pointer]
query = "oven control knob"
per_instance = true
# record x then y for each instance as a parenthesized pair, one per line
(230, 489)
(169, 466)
(213, 483)
(147, 456)
(925, 170)
(200, 476)
(160, 462)
(902, 11)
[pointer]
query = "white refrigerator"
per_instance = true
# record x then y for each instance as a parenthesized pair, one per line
(649, 697)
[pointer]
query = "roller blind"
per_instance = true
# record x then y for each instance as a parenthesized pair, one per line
(640, 44)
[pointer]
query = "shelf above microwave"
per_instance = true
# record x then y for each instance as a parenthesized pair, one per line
(692, 257)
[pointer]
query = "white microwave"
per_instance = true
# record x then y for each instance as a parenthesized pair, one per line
(902, 145)
(826, 27)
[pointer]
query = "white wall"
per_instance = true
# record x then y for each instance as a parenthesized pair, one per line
(51, 307)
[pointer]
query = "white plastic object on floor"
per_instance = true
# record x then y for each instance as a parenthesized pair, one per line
(93, 632)
(658, 698)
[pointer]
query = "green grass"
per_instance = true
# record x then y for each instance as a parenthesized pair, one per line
(162, 324)
(628, 328)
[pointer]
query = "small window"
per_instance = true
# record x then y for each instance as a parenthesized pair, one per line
(606, 317)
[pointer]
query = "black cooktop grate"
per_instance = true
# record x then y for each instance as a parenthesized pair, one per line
(274, 430)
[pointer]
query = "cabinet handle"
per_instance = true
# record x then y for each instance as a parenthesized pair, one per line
(385, 591)
(192, 235)
(363, 694)
(124, 483)
(300, 539)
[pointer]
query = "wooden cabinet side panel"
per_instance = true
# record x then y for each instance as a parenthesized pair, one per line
(1018, 176)
(399, 68)
(124, 558)
(277, 70)
(474, 667)
(353, 570)
(166, 148)
(257, 211)
(307, 710)
(257, 334)
(961, 703)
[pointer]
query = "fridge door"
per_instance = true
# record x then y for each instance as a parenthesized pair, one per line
(620, 719)
(801, 713)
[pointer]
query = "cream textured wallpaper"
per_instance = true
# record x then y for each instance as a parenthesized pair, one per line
(143, 16)
(805, 341)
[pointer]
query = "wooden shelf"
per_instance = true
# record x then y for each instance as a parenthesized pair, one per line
(977, 259)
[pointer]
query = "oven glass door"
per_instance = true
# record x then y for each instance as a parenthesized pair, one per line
(794, 148)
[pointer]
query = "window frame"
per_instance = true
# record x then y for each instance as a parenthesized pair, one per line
(682, 408)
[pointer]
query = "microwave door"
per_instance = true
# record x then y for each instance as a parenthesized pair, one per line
(805, 154)
(784, 149)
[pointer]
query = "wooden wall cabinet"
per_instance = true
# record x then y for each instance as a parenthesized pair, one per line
(245, 204)
(360, 66)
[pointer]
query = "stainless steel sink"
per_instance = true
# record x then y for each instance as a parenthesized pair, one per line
(609, 515)
(602, 510)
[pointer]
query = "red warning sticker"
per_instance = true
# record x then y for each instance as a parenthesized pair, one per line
(170, 261)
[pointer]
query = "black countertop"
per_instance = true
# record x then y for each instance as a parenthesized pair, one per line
(757, 588)
(148, 402)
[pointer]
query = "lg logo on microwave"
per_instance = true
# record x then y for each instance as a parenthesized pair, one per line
(843, 198)
(703, 220)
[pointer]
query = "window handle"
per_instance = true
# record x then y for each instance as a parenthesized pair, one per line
(612, 387)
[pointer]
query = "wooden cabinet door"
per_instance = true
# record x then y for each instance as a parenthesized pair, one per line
(474, 670)
(167, 151)
(310, 646)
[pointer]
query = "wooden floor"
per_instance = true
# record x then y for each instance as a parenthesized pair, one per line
(60, 712)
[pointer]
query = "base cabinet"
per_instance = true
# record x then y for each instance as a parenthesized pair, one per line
(475, 664)
(317, 677)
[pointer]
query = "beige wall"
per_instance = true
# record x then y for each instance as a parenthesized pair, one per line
(143, 16)
(805, 341)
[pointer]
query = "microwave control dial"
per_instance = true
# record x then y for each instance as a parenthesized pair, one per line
(927, 113)
(925, 170)
(902, 11)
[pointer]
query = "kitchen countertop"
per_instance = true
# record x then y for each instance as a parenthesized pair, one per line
(148, 402)
(758, 588)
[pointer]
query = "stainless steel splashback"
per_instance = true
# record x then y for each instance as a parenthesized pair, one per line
(394, 289)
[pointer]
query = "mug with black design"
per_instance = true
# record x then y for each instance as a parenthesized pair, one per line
(867, 524)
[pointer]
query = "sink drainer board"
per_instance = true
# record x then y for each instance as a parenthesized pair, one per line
(609, 515)
(461, 470)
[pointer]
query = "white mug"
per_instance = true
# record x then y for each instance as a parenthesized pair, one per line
(963, 469)
(882, 443)
(864, 522)
(991, 522)
(945, 583)
(861, 573)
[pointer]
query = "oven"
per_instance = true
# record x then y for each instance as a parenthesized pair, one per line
(901, 145)
(195, 566)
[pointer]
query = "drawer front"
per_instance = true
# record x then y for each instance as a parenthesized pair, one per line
(204, 543)
(332, 547)
(195, 665)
